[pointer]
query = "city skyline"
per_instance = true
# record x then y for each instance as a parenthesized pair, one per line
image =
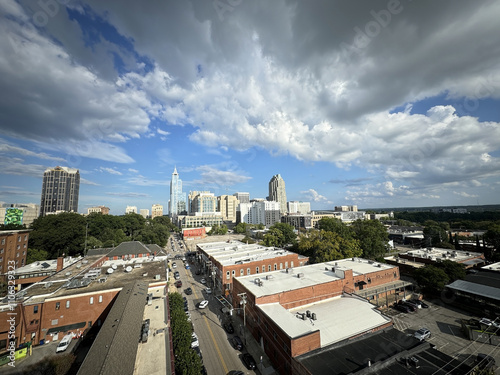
(375, 104)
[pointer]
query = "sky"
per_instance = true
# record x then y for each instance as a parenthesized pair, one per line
(375, 103)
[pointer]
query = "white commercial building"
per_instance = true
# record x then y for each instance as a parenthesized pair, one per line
(260, 212)
(131, 209)
(297, 207)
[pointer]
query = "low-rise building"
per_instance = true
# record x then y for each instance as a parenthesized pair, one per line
(194, 233)
(13, 249)
(225, 260)
(20, 214)
(98, 210)
(294, 311)
(298, 221)
(199, 219)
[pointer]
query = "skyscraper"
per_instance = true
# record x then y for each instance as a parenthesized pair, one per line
(242, 197)
(177, 202)
(277, 192)
(60, 189)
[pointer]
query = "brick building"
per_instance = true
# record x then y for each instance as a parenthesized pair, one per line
(294, 311)
(194, 233)
(225, 260)
(13, 249)
(77, 297)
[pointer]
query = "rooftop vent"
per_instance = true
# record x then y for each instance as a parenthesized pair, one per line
(269, 277)
(313, 316)
(289, 270)
(300, 275)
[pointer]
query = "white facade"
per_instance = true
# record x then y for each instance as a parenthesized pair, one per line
(242, 197)
(227, 206)
(156, 210)
(296, 207)
(144, 212)
(261, 212)
(131, 209)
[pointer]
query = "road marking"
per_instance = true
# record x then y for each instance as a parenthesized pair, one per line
(212, 335)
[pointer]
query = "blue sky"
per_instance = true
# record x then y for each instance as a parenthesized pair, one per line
(379, 104)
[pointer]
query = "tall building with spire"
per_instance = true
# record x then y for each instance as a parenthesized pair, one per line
(277, 192)
(60, 190)
(177, 203)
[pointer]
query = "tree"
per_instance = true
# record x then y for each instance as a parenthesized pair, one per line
(274, 237)
(434, 234)
(132, 224)
(372, 236)
(35, 255)
(218, 230)
(324, 246)
(288, 231)
(240, 228)
(431, 279)
(336, 226)
(454, 270)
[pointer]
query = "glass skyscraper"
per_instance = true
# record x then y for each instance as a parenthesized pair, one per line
(177, 203)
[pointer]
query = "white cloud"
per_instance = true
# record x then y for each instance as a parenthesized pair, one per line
(212, 176)
(314, 196)
(133, 170)
(84, 181)
(465, 195)
(10, 149)
(110, 171)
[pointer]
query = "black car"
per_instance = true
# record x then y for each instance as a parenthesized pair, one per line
(249, 361)
(402, 308)
(189, 291)
(229, 327)
(237, 343)
(422, 304)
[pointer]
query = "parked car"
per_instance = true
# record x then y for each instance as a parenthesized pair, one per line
(65, 341)
(203, 281)
(412, 303)
(203, 304)
(412, 307)
(189, 291)
(198, 272)
(228, 327)
(422, 334)
(237, 343)
(178, 283)
(174, 265)
(208, 290)
(249, 361)
(422, 304)
(194, 340)
(402, 308)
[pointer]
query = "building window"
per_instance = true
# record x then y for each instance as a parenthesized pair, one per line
(256, 269)
(58, 305)
(18, 238)
(291, 264)
(100, 299)
(233, 272)
(281, 266)
(275, 266)
(286, 264)
(269, 268)
(67, 304)
(24, 246)
(242, 272)
(25, 237)
(91, 300)
(3, 241)
(35, 309)
(248, 270)
(227, 275)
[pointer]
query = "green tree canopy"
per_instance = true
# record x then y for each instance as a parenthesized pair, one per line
(454, 270)
(372, 236)
(240, 228)
(324, 246)
(431, 279)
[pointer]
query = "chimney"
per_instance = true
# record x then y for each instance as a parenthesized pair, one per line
(60, 262)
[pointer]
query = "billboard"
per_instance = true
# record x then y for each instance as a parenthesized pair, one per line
(13, 216)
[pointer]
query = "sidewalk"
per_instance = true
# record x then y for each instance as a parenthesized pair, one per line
(264, 366)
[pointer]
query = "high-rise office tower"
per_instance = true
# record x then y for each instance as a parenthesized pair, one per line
(228, 205)
(277, 192)
(242, 197)
(177, 203)
(60, 189)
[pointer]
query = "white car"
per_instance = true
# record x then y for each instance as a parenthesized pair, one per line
(203, 304)
(64, 343)
(208, 290)
(422, 334)
(194, 340)
(203, 281)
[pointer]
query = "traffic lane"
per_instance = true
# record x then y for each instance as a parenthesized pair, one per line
(219, 356)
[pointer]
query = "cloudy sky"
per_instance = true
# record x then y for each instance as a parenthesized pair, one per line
(392, 103)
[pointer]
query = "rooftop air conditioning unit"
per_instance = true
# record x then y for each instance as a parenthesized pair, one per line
(300, 275)
(269, 277)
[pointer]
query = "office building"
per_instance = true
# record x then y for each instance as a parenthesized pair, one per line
(204, 202)
(144, 212)
(131, 209)
(19, 213)
(298, 221)
(13, 249)
(199, 219)
(177, 203)
(260, 212)
(98, 210)
(296, 207)
(156, 210)
(60, 189)
(227, 206)
(346, 208)
(242, 197)
(191, 196)
(277, 192)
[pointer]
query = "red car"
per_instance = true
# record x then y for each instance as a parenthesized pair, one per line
(178, 284)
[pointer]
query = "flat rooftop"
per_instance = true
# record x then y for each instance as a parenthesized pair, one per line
(81, 277)
(281, 281)
(338, 318)
(45, 266)
(492, 267)
(434, 253)
(236, 252)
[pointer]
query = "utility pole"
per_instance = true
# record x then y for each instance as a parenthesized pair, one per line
(86, 233)
(243, 302)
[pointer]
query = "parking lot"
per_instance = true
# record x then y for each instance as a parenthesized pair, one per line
(444, 323)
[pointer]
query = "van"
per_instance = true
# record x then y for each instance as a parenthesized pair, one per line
(64, 343)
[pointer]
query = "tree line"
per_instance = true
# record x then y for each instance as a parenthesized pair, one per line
(71, 234)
